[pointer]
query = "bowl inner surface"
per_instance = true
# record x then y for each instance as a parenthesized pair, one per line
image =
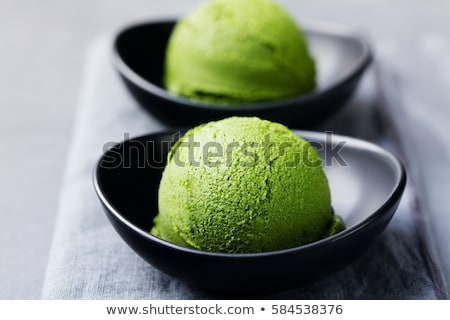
(362, 176)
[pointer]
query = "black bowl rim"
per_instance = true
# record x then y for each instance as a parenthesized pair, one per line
(308, 25)
(391, 200)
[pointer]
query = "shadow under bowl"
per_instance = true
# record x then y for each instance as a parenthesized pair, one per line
(341, 57)
(366, 186)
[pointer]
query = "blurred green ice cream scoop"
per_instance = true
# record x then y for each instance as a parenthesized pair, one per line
(243, 185)
(238, 51)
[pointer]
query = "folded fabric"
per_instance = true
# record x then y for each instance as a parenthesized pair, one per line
(89, 260)
(420, 133)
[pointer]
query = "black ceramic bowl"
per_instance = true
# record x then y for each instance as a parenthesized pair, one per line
(366, 185)
(341, 56)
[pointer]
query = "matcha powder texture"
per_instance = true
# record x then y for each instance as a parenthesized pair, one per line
(238, 51)
(244, 185)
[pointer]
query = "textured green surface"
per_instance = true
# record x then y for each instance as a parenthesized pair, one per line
(233, 51)
(256, 197)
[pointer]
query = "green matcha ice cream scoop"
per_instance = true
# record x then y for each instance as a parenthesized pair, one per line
(244, 185)
(238, 51)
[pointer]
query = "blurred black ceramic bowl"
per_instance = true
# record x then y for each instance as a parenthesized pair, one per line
(365, 193)
(341, 56)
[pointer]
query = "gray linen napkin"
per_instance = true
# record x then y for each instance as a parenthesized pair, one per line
(88, 260)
